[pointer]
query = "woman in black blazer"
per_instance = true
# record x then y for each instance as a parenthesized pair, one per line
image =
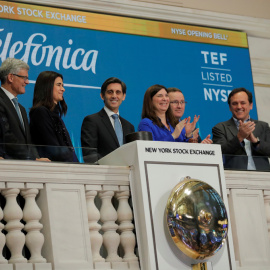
(46, 125)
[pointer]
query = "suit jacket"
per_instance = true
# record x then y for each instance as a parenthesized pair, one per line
(225, 134)
(97, 132)
(16, 139)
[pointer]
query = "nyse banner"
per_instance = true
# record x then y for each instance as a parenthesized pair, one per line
(87, 48)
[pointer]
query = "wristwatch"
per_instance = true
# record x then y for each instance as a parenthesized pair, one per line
(256, 143)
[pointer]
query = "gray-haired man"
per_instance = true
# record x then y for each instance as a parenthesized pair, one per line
(15, 133)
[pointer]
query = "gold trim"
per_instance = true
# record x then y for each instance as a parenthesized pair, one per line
(125, 25)
(199, 266)
(261, 84)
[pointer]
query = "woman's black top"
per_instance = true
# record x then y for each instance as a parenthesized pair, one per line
(48, 129)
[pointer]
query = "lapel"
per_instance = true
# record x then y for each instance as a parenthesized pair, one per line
(123, 125)
(10, 107)
(107, 123)
(257, 130)
(231, 126)
(125, 128)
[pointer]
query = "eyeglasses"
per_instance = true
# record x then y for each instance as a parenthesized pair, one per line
(25, 78)
(176, 102)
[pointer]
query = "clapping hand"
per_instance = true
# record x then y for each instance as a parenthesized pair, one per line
(207, 140)
(191, 126)
(195, 136)
(178, 128)
(245, 131)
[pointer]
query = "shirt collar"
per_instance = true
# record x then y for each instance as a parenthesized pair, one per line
(109, 112)
(10, 96)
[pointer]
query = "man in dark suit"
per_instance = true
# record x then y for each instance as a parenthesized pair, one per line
(13, 117)
(103, 131)
(245, 142)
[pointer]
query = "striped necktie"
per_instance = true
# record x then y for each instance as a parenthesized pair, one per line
(16, 103)
(118, 128)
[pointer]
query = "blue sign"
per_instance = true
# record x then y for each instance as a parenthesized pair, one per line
(206, 73)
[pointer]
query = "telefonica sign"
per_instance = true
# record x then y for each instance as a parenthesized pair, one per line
(37, 50)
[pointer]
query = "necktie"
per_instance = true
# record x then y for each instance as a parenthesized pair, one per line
(15, 101)
(118, 128)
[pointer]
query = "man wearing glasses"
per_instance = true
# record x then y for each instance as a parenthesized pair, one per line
(177, 105)
(13, 117)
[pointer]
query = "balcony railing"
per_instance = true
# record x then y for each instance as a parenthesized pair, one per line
(68, 216)
(56, 216)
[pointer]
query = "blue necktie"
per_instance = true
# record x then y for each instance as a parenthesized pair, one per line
(118, 128)
(15, 101)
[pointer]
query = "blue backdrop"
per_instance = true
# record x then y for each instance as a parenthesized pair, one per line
(86, 58)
